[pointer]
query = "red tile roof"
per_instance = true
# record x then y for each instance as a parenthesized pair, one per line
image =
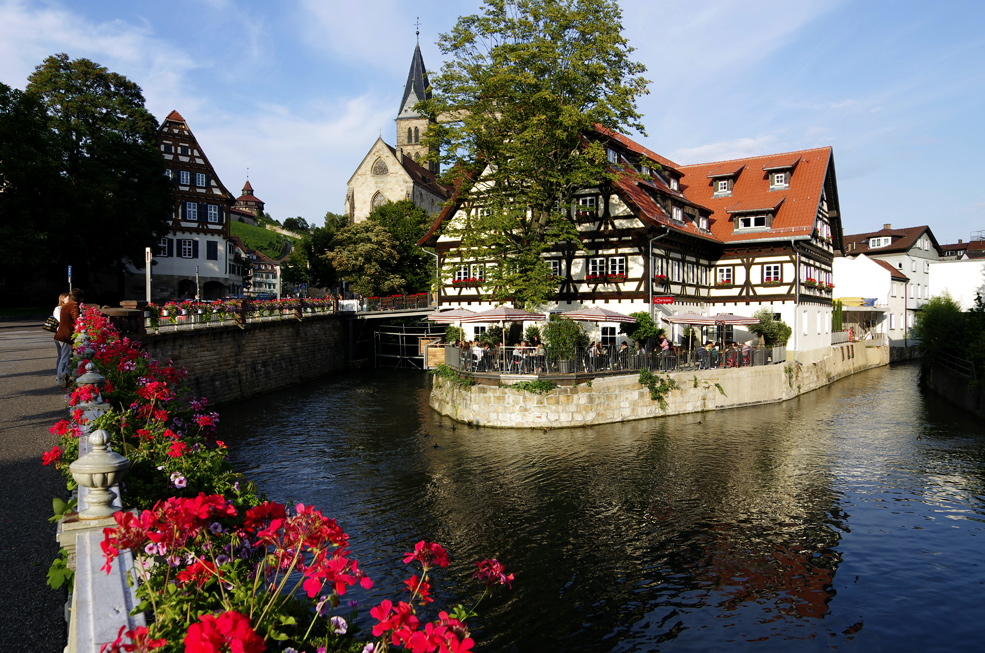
(903, 240)
(795, 207)
(896, 274)
(247, 188)
(174, 115)
(727, 169)
(783, 162)
(422, 176)
(633, 146)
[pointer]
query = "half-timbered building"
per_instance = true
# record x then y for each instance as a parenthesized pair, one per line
(730, 236)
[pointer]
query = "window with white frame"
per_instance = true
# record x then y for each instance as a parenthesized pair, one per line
(611, 155)
(673, 184)
(659, 266)
(596, 267)
(677, 213)
(478, 271)
(722, 186)
(879, 242)
(478, 331)
(723, 276)
(191, 211)
(213, 212)
(169, 174)
(184, 177)
(779, 180)
(554, 267)
(183, 150)
(162, 247)
(608, 336)
(752, 221)
(772, 272)
(702, 222)
(926, 266)
(617, 265)
(199, 178)
(187, 247)
(462, 273)
(587, 207)
(892, 321)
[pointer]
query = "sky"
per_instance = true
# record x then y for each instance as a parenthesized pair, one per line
(293, 93)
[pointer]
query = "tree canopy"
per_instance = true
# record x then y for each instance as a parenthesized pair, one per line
(523, 83)
(104, 143)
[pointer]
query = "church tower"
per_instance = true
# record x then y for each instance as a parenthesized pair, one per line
(410, 124)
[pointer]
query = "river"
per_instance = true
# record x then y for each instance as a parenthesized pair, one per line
(850, 518)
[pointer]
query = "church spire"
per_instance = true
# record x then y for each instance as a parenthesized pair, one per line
(417, 87)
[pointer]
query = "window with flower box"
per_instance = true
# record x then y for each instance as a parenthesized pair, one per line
(596, 269)
(617, 268)
(587, 207)
(724, 276)
(772, 274)
(461, 274)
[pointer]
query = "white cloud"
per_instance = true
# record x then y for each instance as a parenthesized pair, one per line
(739, 148)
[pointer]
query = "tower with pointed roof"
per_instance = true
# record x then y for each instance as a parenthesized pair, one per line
(411, 125)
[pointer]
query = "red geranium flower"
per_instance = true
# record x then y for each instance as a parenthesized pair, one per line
(231, 631)
(177, 449)
(428, 554)
(140, 642)
(52, 456)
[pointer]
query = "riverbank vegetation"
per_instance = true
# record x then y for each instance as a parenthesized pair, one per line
(943, 329)
(220, 567)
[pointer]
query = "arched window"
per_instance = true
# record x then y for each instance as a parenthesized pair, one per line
(379, 168)
(417, 135)
(378, 200)
(410, 136)
(417, 158)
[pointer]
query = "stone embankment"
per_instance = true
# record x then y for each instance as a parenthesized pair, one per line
(622, 398)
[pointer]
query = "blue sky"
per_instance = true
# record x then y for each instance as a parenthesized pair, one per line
(296, 91)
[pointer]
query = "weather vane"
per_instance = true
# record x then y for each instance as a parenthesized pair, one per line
(417, 28)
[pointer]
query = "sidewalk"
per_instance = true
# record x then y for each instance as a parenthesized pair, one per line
(30, 402)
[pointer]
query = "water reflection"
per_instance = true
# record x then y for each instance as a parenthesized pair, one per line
(755, 527)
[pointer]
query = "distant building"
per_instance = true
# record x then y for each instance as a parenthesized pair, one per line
(874, 297)
(248, 204)
(911, 250)
(391, 174)
(961, 250)
(199, 238)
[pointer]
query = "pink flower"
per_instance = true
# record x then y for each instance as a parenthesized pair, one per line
(428, 554)
(491, 572)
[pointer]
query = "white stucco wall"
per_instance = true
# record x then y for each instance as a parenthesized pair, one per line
(963, 280)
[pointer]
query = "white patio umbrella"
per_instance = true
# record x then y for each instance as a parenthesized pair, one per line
(502, 315)
(727, 319)
(596, 315)
(690, 318)
(451, 317)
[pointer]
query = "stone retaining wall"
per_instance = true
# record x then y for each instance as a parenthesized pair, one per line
(230, 363)
(618, 399)
(955, 388)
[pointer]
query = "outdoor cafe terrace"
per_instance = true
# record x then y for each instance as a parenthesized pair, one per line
(492, 364)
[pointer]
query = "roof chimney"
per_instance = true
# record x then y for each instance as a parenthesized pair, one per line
(887, 226)
(959, 241)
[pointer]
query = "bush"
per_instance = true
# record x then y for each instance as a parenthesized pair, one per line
(562, 337)
(643, 329)
(774, 332)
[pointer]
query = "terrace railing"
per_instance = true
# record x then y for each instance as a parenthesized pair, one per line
(532, 361)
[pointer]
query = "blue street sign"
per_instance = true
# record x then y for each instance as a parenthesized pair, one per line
(70, 270)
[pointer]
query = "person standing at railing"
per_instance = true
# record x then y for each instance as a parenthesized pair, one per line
(66, 328)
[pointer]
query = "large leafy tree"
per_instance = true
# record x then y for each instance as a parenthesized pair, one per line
(407, 223)
(524, 82)
(32, 216)
(117, 198)
(309, 263)
(365, 254)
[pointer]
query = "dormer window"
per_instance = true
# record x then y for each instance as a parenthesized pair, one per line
(677, 214)
(751, 222)
(779, 180)
(612, 155)
(673, 184)
(883, 241)
(723, 186)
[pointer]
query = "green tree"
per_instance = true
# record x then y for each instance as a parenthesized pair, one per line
(105, 143)
(309, 263)
(643, 329)
(32, 216)
(940, 327)
(407, 223)
(298, 225)
(774, 332)
(365, 255)
(562, 337)
(523, 83)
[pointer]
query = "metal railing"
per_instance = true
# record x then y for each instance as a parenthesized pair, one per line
(534, 361)
(964, 367)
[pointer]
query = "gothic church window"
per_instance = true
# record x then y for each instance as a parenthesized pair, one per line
(378, 200)
(417, 135)
(410, 136)
(379, 168)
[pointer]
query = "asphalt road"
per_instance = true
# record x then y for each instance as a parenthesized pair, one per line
(31, 613)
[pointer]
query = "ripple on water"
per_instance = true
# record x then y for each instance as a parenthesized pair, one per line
(850, 517)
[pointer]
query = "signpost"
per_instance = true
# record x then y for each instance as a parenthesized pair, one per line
(70, 278)
(198, 293)
(147, 261)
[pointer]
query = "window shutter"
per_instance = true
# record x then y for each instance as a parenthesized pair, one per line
(194, 249)
(181, 210)
(222, 214)
(203, 213)
(208, 180)
(170, 247)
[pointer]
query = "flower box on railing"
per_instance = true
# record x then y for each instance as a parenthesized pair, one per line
(469, 282)
(724, 284)
(661, 278)
(811, 283)
(605, 278)
(772, 283)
